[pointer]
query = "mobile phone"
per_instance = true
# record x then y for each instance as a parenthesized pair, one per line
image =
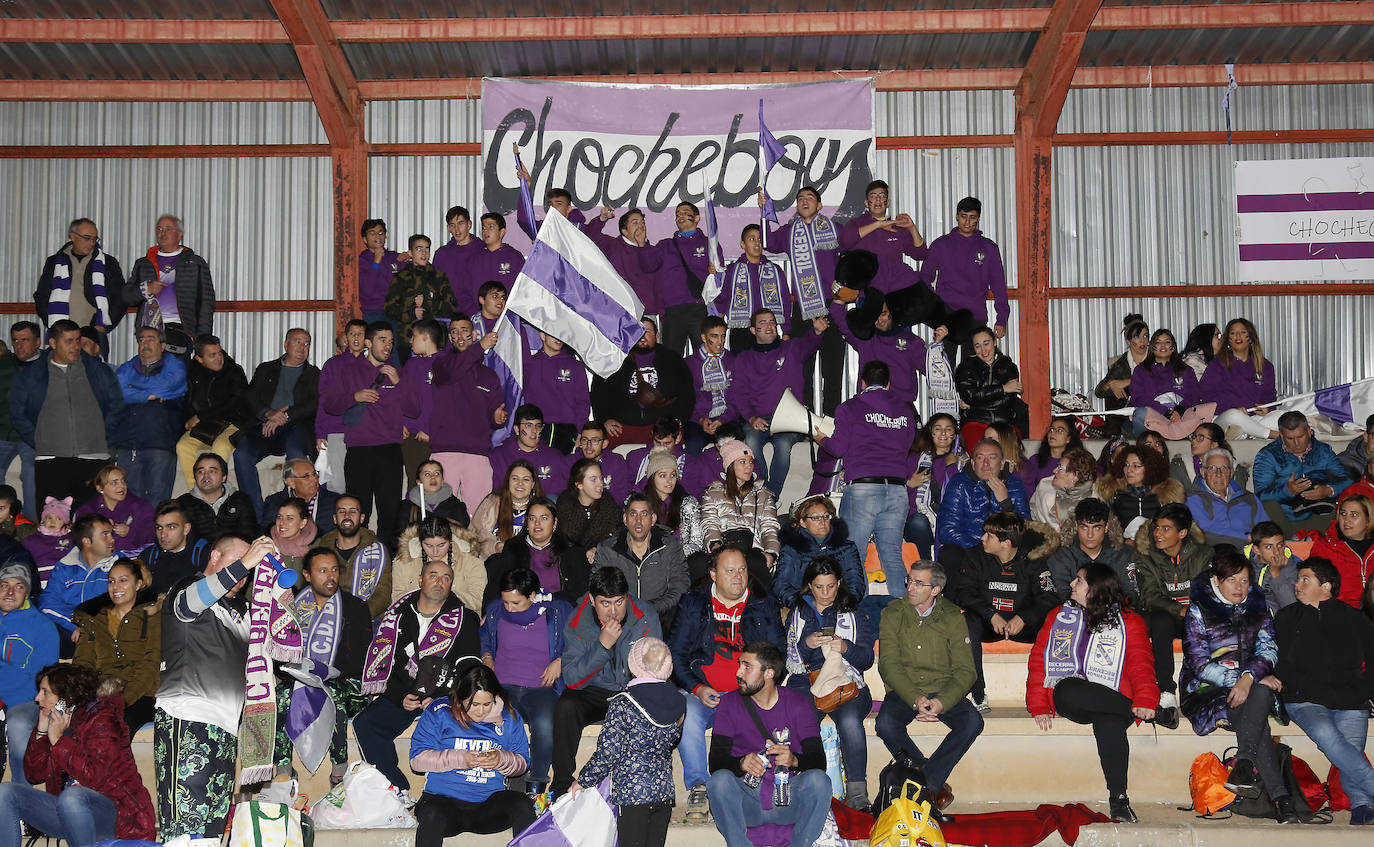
(61, 707)
(828, 630)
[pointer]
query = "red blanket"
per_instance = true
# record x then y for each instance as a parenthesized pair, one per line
(1003, 829)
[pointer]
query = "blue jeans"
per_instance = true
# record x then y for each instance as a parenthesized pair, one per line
(20, 719)
(287, 441)
(78, 815)
(377, 727)
(963, 720)
(774, 473)
(536, 707)
(1135, 426)
(10, 449)
(849, 724)
(878, 510)
(919, 532)
(1340, 734)
(692, 748)
(150, 471)
(736, 806)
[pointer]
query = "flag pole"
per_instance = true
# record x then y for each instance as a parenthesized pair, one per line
(763, 186)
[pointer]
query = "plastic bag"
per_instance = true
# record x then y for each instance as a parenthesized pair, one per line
(834, 768)
(270, 825)
(363, 800)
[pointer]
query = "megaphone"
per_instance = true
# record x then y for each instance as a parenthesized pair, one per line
(792, 416)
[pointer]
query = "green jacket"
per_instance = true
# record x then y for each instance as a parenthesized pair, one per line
(133, 653)
(1163, 582)
(925, 655)
(414, 281)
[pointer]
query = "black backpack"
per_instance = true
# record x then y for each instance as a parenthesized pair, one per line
(1263, 805)
(891, 779)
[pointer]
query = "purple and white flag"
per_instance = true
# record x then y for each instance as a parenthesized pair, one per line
(569, 289)
(1305, 219)
(507, 358)
(587, 820)
(526, 216)
(770, 152)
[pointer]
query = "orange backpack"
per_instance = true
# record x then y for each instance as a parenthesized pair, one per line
(1207, 785)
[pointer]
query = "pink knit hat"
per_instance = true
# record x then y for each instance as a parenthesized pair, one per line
(732, 450)
(650, 657)
(61, 508)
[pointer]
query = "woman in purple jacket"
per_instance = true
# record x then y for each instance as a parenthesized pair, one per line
(1239, 380)
(1163, 384)
(131, 515)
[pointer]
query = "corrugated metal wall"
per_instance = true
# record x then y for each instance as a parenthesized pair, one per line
(1124, 216)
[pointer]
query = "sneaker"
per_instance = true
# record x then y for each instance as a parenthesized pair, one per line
(698, 806)
(405, 798)
(981, 704)
(1167, 714)
(1284, 811)
(1362, 816)
(1243, 781)
(1121, 810)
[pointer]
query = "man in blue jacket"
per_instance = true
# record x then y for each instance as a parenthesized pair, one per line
(596, 650)
(981, 488)
(68, 407)
(709, 633)
(28, 643)
(1298, 478)
(153, 384)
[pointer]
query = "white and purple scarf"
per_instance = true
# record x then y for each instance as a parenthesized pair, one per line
(310, 717)
(59, 303)
(368, 566)
(271, 617)
(381, 652)
(806, 239)
(1074, 651)
(742, 295)
(715, 380)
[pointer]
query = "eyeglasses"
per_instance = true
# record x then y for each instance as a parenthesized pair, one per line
(1133, 466)
(919, 584)
(825, 516)
(306, 475)
(1216, 468)
(1199, 436)
(532, 426)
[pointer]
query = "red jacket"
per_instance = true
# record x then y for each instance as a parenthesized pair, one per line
(1353, 569)
(1137, 678)
(97, 755)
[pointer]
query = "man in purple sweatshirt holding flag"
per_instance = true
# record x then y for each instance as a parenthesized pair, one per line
(629, 253)
(468, 405)
(873, 432)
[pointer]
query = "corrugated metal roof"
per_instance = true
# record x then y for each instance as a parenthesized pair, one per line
(141, 9)
(1217, 46)
(78, 61)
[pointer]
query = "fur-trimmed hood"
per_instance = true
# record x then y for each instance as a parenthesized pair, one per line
(802, 539)
(1168, 491)
(147, 601)
(1039, 541)
(1068, 532)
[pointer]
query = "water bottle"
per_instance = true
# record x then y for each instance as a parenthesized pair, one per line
(751, 780)
(782, 776)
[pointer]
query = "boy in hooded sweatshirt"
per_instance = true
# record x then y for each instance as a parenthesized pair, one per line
(643, 724)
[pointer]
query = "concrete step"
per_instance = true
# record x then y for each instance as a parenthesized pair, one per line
(1161, 825)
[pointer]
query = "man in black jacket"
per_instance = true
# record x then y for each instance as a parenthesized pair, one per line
(212, 506)
(188, 309)
(433, 618)
(1005, 589)
(279, 413)
(215, 386)
(710, 630)
(82, 282)
(651, 383)
(1326, 648)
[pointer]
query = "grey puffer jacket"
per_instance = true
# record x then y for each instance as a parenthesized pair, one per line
(660, 579)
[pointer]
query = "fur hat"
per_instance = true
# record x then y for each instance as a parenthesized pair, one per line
(856, 268)
(732, 450)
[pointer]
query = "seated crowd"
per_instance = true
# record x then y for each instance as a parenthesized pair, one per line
(500, 579)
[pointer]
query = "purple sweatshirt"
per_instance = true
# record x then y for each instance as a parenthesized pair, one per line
(793, 711)
(417, 373)
(455, 260)
(702, 407)
(550, 465)
(133, 511)
(575, 217)
(639, 266)
(691, 248)
(374, 278)
(1238, 387)
(615, 472)
(901, 350)
(889, 246)
(873, 432)
(325, 423)
(763, 373)
(963, 269)
(722, 300)
(1150, 380)
(701, 470)
(780, 241)
(381, 423)
(467, 394)
(558, 386)
(502, 265)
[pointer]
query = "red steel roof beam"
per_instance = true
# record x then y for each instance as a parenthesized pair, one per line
(125, 31)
